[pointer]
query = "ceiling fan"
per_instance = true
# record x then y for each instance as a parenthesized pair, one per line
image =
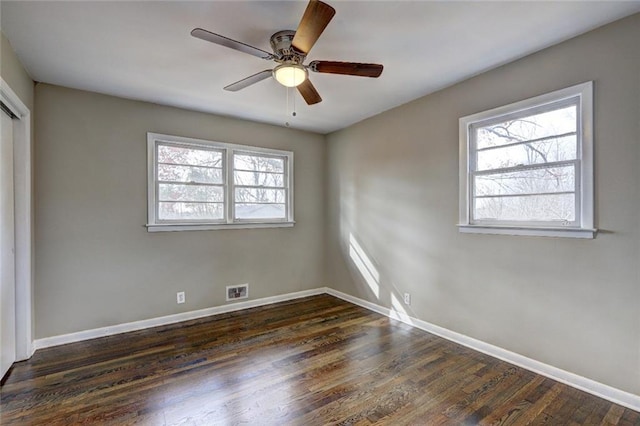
(290, 49)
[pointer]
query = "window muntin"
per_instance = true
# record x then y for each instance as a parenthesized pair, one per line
(529, 164)
(210, 184)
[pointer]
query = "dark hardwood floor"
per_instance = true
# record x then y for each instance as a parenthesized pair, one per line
(312, 361)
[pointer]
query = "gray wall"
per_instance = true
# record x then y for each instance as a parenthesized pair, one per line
(393, 186)
(96, 265)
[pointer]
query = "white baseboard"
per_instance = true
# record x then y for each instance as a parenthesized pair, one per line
(169, 319)
(601, 390)
(617, 396)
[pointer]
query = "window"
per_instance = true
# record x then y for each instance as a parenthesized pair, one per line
(527, 168)
(197, 184)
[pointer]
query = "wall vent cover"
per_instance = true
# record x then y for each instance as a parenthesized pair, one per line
(237, 292)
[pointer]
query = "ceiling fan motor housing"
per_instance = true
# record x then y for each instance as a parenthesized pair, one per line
(282, 49)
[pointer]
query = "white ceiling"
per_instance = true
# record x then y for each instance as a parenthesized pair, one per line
(143, 50)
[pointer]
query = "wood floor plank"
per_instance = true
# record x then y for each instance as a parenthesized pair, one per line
(317, 360)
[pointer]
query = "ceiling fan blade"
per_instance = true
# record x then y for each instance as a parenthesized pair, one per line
(230, 43)
(309, 92)
(315, 19)
(347, 68)
(252, 79)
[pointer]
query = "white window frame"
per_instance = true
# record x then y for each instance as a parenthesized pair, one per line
(154, 224)
(583, 226)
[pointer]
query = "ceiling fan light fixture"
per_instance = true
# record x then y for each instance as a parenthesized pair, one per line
(290, 50)
(290, 75)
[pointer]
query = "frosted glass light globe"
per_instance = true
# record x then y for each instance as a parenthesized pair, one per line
(290, 75)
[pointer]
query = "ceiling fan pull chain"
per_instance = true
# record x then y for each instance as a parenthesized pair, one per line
(286, 109)
(294, 104)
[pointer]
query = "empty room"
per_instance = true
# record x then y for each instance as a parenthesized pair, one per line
(320, 212)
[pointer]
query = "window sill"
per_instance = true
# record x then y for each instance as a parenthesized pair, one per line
(212, 227)
(536, 232)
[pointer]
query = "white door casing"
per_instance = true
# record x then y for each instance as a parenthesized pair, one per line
(23, 218)
(7, 247)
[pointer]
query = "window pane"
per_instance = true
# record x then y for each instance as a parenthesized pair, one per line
(530, 181)
(552, 207)
(172, 173)
(258, 163)
(258, 179)
(547, 151)
(190, 211)
(260, 211)
(535, 126)
(259, 195)
(190, 156)
(171, 192)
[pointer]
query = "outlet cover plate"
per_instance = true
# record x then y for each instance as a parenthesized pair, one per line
(407, 298)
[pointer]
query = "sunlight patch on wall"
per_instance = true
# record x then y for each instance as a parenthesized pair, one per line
(364, 266)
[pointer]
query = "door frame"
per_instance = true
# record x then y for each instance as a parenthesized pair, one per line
(23, 193)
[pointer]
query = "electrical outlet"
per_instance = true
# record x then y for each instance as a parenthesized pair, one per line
(180, 297)
(407, 298)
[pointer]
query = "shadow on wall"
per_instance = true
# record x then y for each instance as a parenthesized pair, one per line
(371, 276)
